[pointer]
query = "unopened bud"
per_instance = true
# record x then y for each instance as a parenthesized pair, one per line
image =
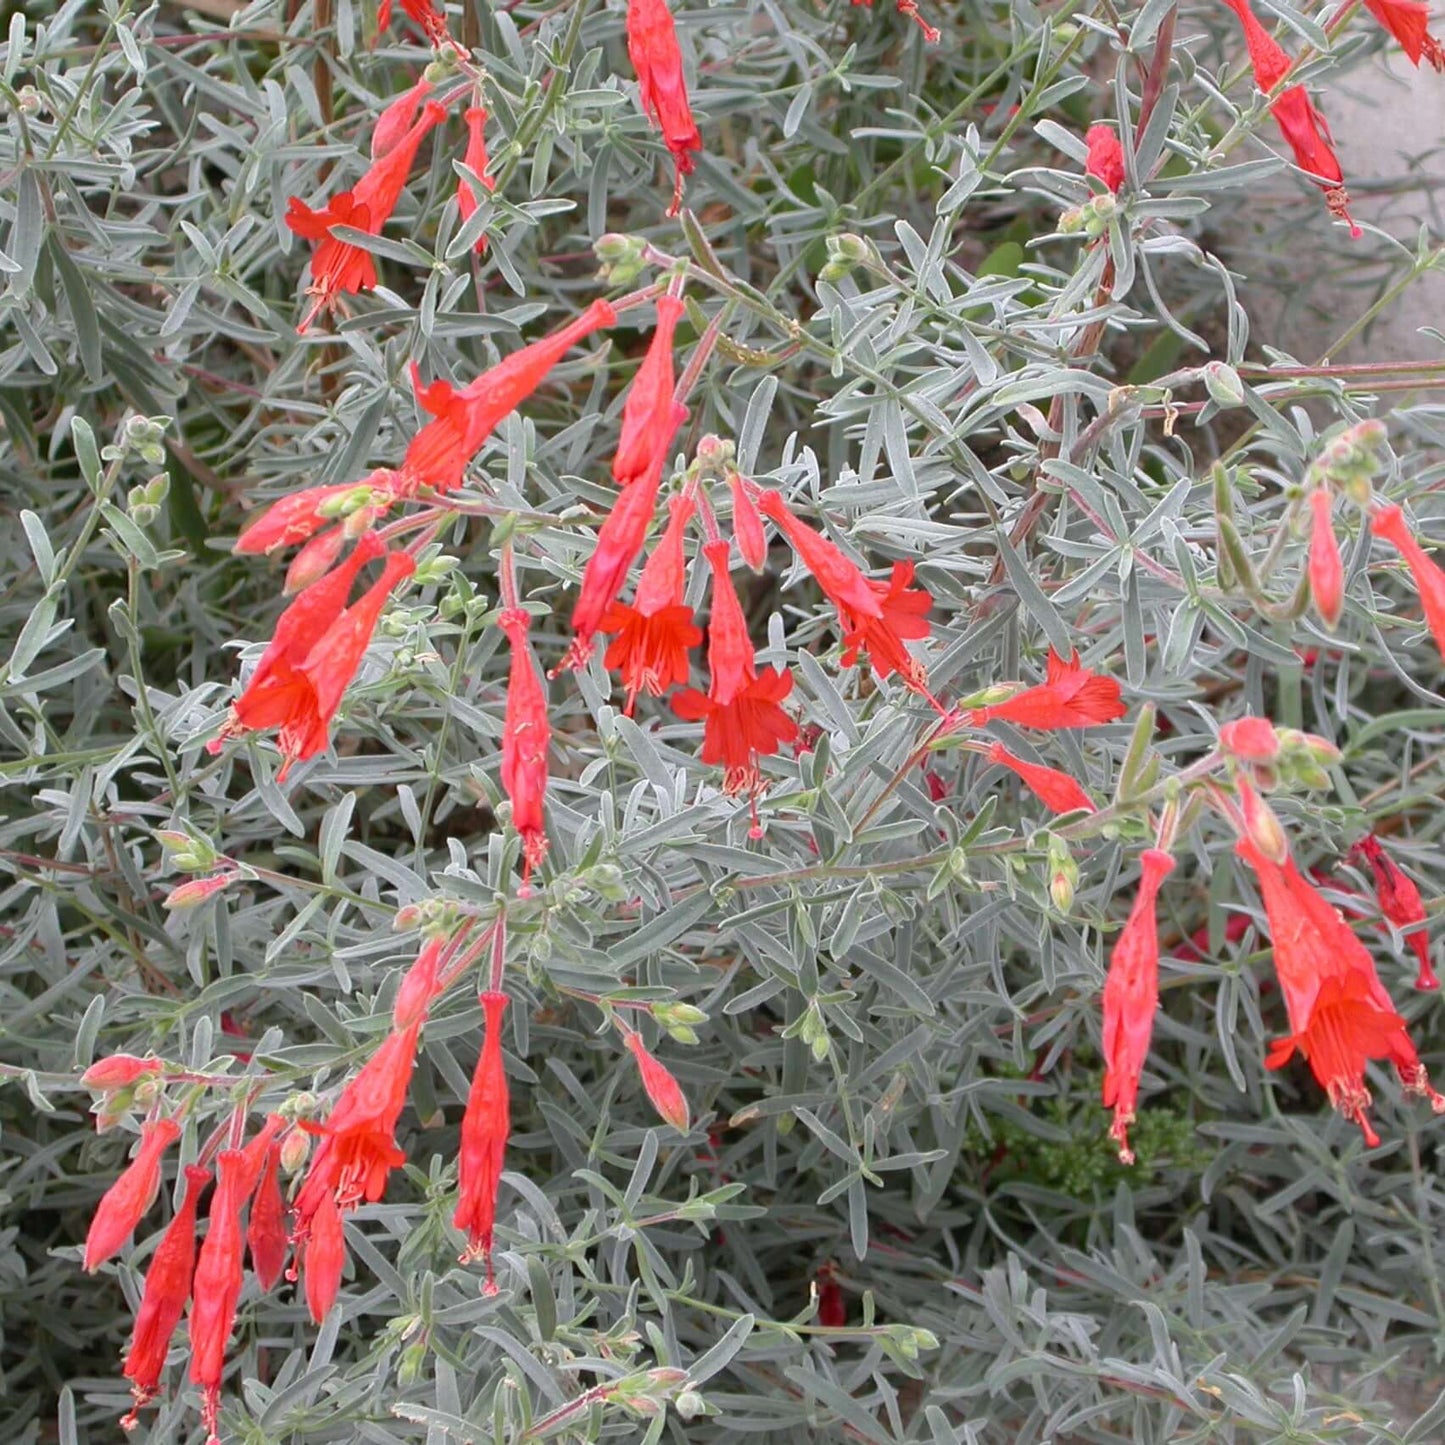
(661, 1087)
(845, 252)
(295, 1148)
(1063, 874)
(689, 1405)
(196, 890)
(315, 559)
(1072, 221)
(620, 258)
(119, 1071)
(1250, 739)
(1322, 750)
(1223, 384)
(1264, 828)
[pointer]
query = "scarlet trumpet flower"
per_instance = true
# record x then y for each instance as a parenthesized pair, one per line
(216, 1288)
(1301, 124)
(619, 540)
(315, 652)
(656, 631)
(741, 717)
(123, 1205)
(1408, 21)
(475, 160)
(877, 617)
(1054, 789)
(1131, 998)
(1389, 523)
(1326, 571)
(485, 1128)
(356, 1154)
(650, 416)
(1106, 156)
(653, 48)
(1400, 902)
(1070, 697)
(267, 1234)
(437, 456)
(1340, 1014)
(338, 267)
(163, 1298)
(526, 735)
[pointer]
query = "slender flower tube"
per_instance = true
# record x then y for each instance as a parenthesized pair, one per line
(741, 713)
(486, 1126)
(437, 456)
(1429, 578)
(1326, 571)
(877, 617)
(267, 1234)
(909, 10)
(1340, 1014)
(650, 416)
(657, 59)
(526, 736)
(123, 1205)
(1400, 903)
(619, 540)
(1408, 21)
(298, 692)
(1300, 123)
(1106, 156)
(420, 985)
(661, 1087)
(1131, 997)
(1071, 696)
(475, 159)
(163, 1298)
(747, 524)
(325, 1258)
(656, 631)
(216, 1289)
(338, 267)
(1056, 790)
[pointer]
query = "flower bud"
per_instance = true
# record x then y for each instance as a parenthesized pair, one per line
(1223, 384)
(1063, 874)
(294, 1149)
(620, 258)
(1250, 739)
(1261, 824)
(196, 890)
(1072, 221)
(689, 1405)
(119, 1071)
(661, 1087)
(314, 560)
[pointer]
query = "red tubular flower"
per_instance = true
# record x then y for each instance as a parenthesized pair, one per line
(1408, 21)
(1429, 578)
(526, 734)
(337, 267)
(122, 1205)
(396, 118)
(314, 560)
(267, 1235)
(741, 717)
(656, 631)
(325, 1258)
(163, 1298)
(303, 675)
(619, 540)
(662, 1089)
(419, 986)
(653, 49)
(358, 1144)
(475, 160)
(1326, 571)
(650, 416)
(1106, 156)
(747, 524)
(1055, 790)
(1400, 902)
(1071, 697)
(216, 1288)
(1300, 123)
(1340, 1015)
(877, 617)
(1131, 997)
(485, 1129)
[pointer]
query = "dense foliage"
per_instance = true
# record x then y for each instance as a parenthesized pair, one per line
(803, 1025)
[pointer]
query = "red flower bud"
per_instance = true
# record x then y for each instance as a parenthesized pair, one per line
(747, 524)
(119, 1071)
(1326, 571)
(126, 1201)
(1106, 156)
(267, 1234)
(666, 1095)
(1054, 789)
(1250, 739)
